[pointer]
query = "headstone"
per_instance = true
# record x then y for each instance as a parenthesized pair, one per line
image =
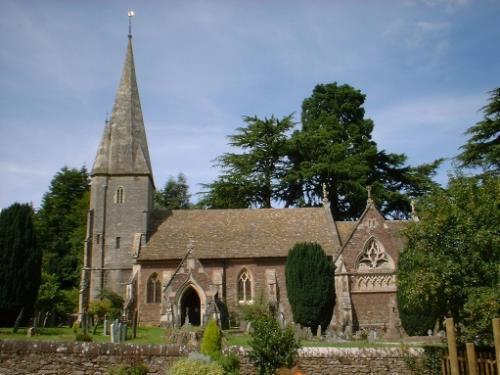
(113, 332)
(372, 336)
(31, 331)
(123, 332)
(105, 330)
(318, 332)
(248, 328)
(429, 332)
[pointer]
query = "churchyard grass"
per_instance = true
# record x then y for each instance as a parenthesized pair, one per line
(156, 335)
(145, 335)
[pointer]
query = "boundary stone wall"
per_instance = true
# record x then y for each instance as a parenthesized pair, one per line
(36, 357)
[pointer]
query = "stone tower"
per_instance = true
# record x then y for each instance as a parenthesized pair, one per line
(121, 195)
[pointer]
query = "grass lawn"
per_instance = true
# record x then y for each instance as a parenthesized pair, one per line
(156, 335)
(145, 335)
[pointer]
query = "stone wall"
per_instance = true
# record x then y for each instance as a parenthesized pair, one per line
(346, 361)
(24, 357)
(35, 357)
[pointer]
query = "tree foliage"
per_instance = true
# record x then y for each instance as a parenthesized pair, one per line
(175, 194)
(252, 178)
(271, 346)
(335, 148)
(310, 285)
(61, 223)
(20, 262)
(450, 265)
(483, 147)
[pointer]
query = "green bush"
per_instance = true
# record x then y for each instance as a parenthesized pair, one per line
(310, 285)
(193, 367)
(230, 364)
(427, 364)
(81, 336)
(211, 344)
(272, 347)
(137, 369)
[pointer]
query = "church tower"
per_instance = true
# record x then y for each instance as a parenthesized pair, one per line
(121, 195)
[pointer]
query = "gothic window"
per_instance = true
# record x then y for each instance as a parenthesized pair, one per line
(117, 242)
(120, 195)
(244, 287)
(153, 289)
(374, 257)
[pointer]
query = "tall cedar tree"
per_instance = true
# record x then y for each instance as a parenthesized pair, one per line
(251, 178)
(450, 265)
(61, 223)
(175, 194)
(335, 148)
(483, 147)
(310, 285)
(20, 262)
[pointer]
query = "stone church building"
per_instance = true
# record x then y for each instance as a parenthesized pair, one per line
(184, 265)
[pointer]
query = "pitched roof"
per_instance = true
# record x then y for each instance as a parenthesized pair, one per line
(240, 233)
(124, 148)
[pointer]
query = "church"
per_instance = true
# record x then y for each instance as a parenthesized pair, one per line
(182, 266)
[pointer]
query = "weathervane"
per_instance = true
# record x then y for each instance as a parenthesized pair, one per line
(130, 15)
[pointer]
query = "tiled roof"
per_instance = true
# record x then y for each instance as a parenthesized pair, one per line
(240, 233)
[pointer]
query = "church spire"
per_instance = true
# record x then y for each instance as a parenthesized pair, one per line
(124, 149)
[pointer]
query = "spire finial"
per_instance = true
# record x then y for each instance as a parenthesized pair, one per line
(131, 13)
(370, 199)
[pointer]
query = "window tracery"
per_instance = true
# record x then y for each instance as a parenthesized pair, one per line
(120, 195)
(374, 257)
(244, 287)
(153, 289)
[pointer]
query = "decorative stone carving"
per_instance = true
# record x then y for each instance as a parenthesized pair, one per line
(373, 282)
(374, 257)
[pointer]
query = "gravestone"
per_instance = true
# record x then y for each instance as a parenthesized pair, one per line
(105, 330)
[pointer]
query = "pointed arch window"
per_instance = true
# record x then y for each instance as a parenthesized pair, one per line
(120, 195)
(153, 289)
(374, 257)
(244, 286)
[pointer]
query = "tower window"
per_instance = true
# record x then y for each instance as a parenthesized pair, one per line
(153, 289)
(244, 287)
(117, 242)
(120, 195)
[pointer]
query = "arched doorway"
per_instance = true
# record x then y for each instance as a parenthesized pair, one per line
(190, 307)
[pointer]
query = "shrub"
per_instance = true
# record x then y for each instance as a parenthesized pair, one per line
(211, 344)
(427, 364)
(81, 336)
(137, 369)
(230, 364)
(259, 308)
(310, 285)
(271, 347)
(193, 367)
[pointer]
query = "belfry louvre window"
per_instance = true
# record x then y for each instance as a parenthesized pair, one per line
(120, 195)
(153, 289)
(244, 287)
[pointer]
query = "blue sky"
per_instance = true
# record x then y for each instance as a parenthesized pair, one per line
(425, 66)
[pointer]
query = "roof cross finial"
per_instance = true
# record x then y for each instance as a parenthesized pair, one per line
(131, 13)
(370, 199)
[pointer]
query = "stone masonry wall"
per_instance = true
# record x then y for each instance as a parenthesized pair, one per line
(23, 357)
(75, 358)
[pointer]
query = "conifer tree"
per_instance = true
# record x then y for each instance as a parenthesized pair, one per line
(310, 285)
(20, 262)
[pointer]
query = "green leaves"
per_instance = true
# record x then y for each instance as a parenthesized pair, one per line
(310, 285)
(451, 261)
(20, 261)
(175, 194)
(483, 147)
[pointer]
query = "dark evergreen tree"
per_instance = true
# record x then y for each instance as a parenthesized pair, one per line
(252, 178)
(61, 224)
(310, 285)
(20, 262)
(335, 148)
(483, 147)
(175, 194)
